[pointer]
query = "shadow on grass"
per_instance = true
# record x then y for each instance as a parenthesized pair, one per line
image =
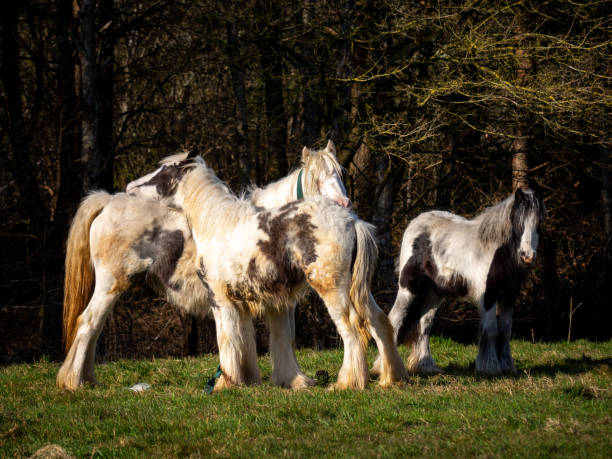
(567, 366)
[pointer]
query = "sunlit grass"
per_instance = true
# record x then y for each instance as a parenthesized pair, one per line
(560, 404)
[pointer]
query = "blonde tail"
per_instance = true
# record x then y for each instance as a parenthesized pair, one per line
(366, 257)
(79, 277)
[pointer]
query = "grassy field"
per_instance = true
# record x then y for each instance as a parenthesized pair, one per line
(560, 404)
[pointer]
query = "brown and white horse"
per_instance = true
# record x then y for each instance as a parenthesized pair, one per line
(256, 261)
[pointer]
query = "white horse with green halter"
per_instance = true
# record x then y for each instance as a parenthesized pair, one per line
(320, 174)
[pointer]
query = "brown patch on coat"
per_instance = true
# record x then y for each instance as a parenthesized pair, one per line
(290, 246)
(245, 297)
(165, 249)
(287, 229)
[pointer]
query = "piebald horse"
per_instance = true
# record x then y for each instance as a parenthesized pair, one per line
(483, 261)
(254, 261)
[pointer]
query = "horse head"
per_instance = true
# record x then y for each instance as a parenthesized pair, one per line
(322, 175)
(162, 183)
(526, 216)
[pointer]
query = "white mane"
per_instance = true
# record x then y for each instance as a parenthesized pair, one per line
(213, 208)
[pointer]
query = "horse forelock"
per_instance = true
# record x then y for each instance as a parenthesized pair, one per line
(319, 164)
(528, 205)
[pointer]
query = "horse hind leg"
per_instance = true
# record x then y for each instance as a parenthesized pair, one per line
(390, 363)
(78, 366)
(285, 369)
(420, 359)
(403, 301)
(354, 371)
(487, 361)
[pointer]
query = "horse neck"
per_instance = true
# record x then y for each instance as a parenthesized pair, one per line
(276, 193)
(211, 208)
(494, 225)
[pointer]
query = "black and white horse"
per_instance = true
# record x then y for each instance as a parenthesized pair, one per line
(483, 260)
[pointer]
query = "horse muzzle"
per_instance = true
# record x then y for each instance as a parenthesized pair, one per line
(528, 259)
(344, 202)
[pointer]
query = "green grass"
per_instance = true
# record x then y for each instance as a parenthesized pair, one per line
(560, 404)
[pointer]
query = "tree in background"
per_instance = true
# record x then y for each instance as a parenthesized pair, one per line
(431, 105)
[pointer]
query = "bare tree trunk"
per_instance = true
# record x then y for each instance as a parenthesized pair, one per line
(106, 92)
(91, 158)
(604, 159)
(382, 218)
(272, 68)
(447, 170)
(11, 78)
(97, 94)
(245, 166)
(607, 211)
(69, 191)
(311, 109)
(520, 166)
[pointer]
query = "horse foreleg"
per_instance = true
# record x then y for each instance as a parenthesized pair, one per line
(398, 312)
(504, 330)
(78, 367)
(285, 369)
(236, 342)
(421, 360)
(487, 361)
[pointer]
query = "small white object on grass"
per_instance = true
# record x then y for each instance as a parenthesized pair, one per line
(140, 387)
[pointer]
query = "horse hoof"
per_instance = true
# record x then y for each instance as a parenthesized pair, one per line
(375, 370)
(301, 382)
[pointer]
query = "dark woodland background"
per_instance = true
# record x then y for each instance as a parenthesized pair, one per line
(443, 105)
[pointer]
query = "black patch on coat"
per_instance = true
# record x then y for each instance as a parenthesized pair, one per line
(505, 276)
(421, 273)
(165, 249)
(168, 178)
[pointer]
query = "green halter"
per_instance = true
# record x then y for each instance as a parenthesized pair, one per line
(300, 192)
(210, 385)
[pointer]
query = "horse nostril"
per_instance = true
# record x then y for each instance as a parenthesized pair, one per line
(527, 259)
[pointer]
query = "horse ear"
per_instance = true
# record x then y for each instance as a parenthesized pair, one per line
(519, 195)
(331, 147)
(305, 154)
(192, 154)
